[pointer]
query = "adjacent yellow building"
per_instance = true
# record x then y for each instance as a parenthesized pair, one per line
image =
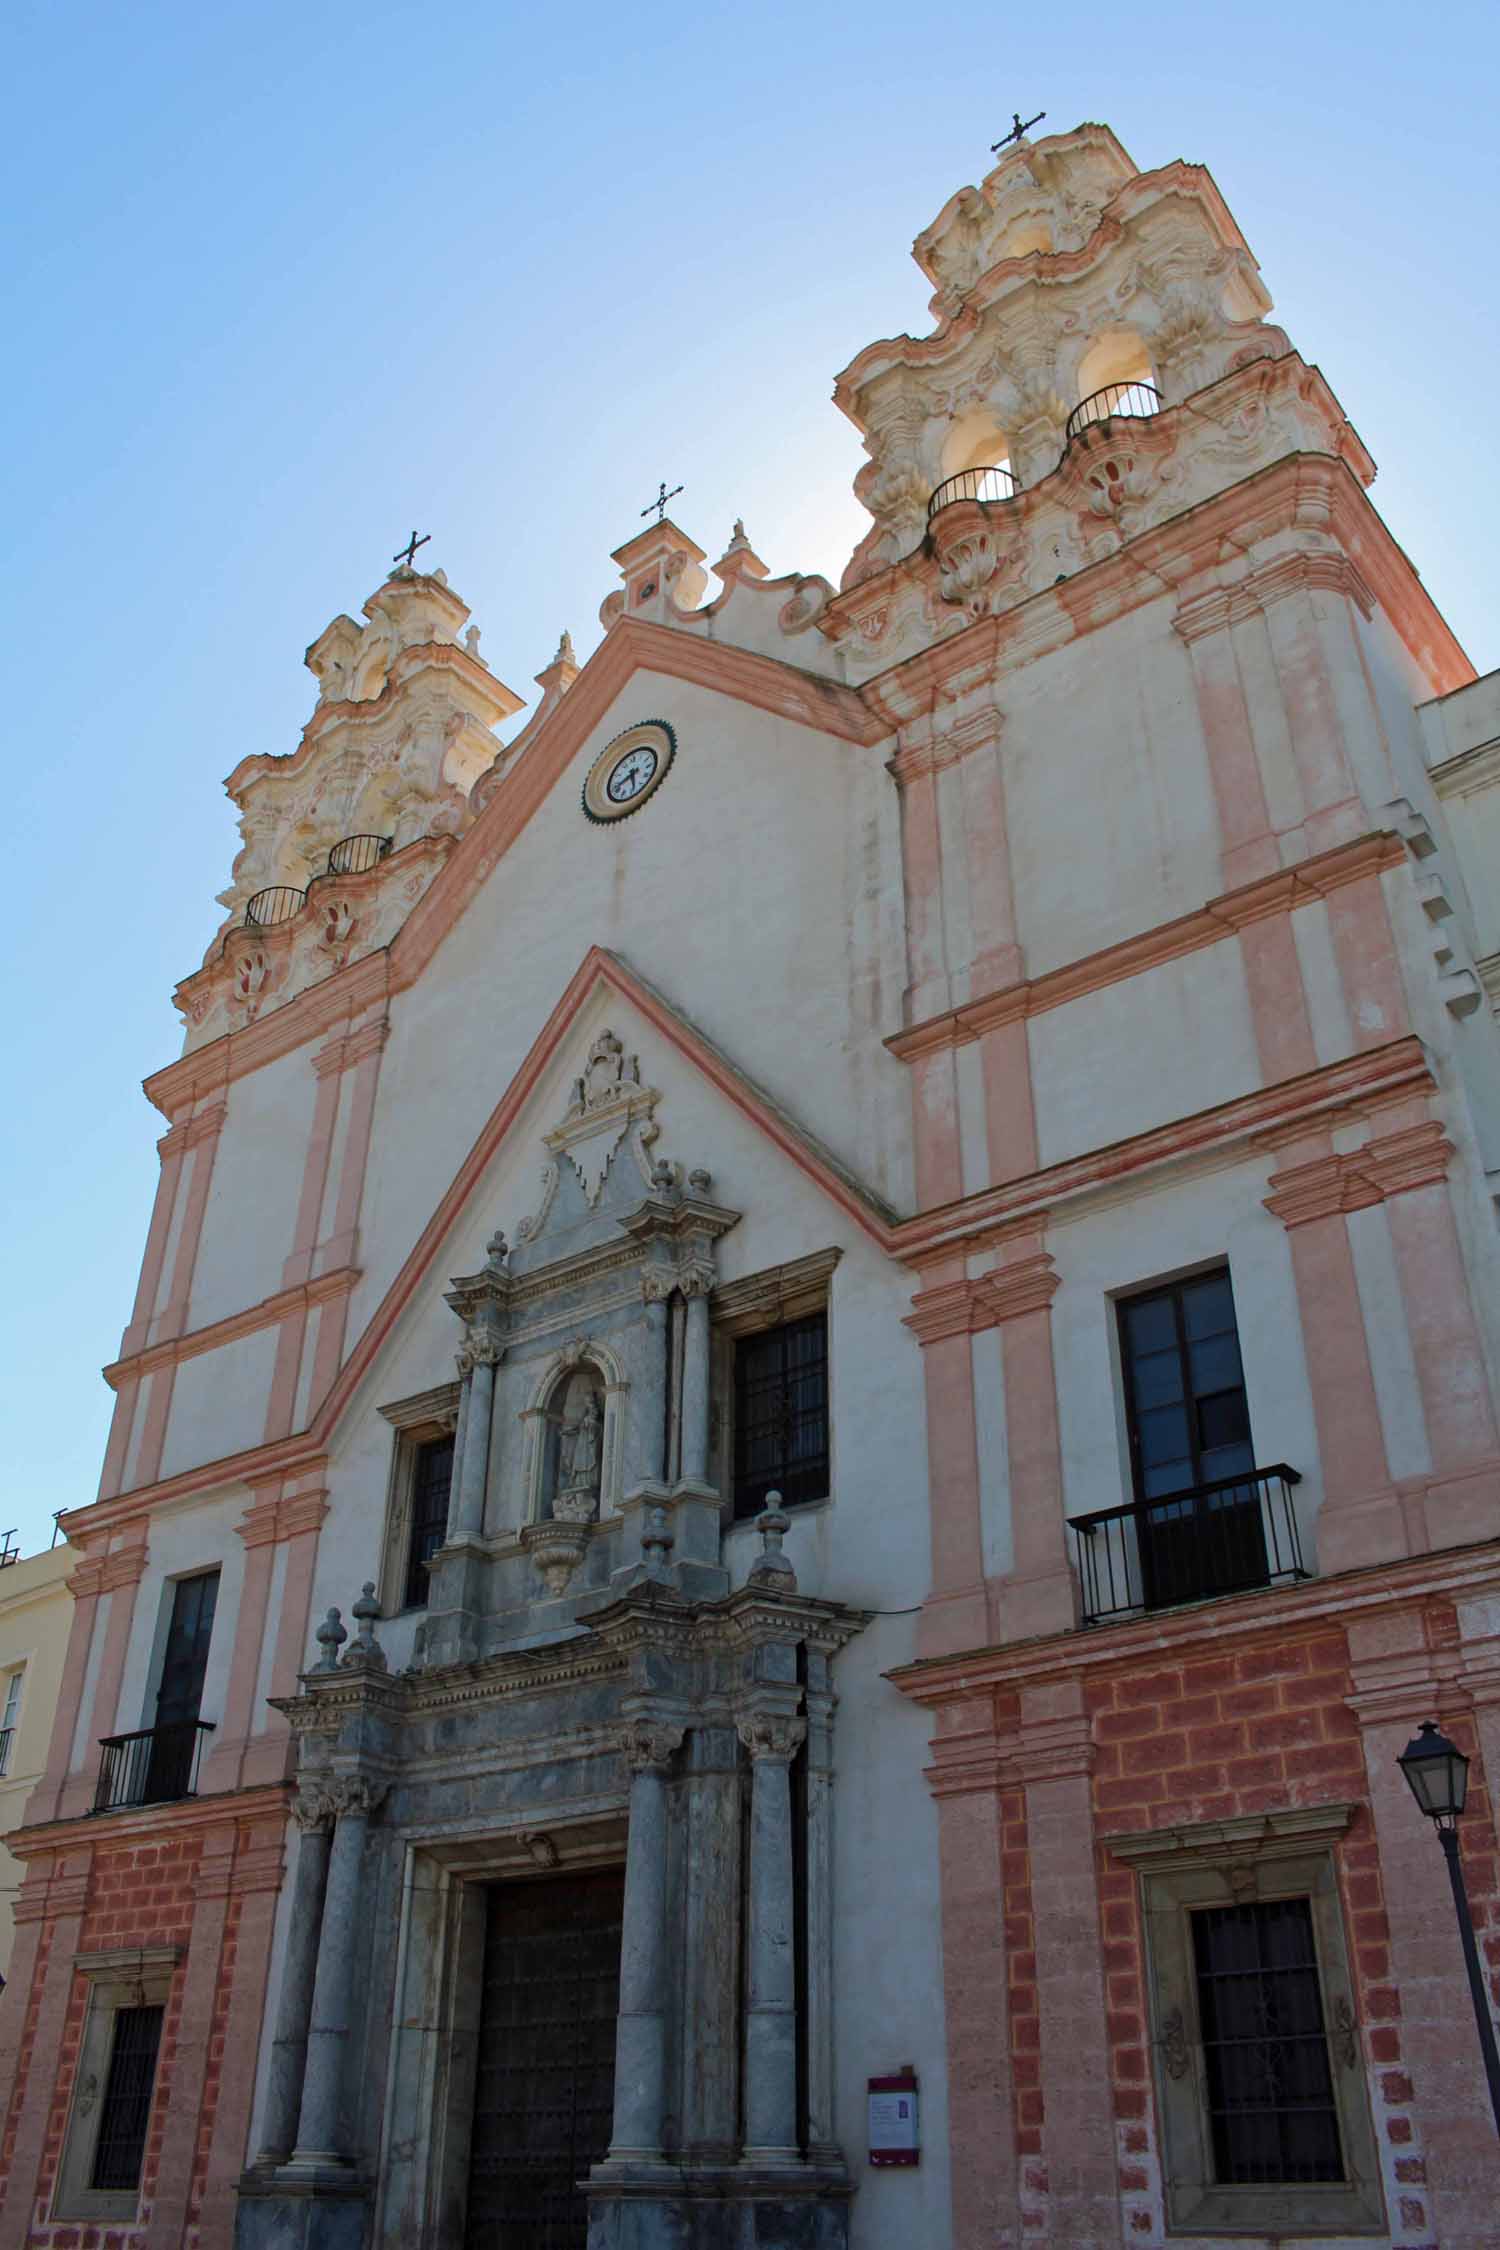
(36, 1610)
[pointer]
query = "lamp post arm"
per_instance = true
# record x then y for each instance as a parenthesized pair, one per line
(1482, 2018)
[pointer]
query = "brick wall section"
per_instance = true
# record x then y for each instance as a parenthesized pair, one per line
(1216, 1736)
(1025, 2018)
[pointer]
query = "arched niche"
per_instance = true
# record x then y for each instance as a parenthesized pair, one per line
(1116, 356)
(974, 440)
(574, 1424)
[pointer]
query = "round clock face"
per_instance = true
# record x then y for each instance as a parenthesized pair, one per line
(629, 770)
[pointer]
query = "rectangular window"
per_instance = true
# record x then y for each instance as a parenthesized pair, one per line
(10, 1712)
(126, 2109)
(781, 1414)
(179, 1695)
(1200, 1524)
(432, 1480)
(1265, 2050)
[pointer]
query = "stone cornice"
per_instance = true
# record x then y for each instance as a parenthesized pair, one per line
(1215, 610)
(1224, 1843)
(134, 1824)
(1281, 893)
(171, 1350)
(1271, 1615)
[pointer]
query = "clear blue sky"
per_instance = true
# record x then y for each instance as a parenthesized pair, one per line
(282, 282)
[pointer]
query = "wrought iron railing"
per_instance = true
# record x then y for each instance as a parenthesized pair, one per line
(7, 1736)
(277, 903)
(1221, 1538)
(152, 1766)
(356, 855)
(9, 1551)
(1116, 398)
(972, 484)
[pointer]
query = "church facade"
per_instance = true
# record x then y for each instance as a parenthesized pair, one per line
(812, 1396)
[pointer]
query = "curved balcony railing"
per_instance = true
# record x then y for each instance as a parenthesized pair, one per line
(1136, 399)
(356, 855)
(1226, 1537)
(150, 1767)
(278, 903)
(972, 484)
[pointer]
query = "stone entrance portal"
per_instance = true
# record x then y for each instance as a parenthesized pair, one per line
(544, 2085)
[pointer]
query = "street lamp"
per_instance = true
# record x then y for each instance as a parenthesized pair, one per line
(1438, 1774)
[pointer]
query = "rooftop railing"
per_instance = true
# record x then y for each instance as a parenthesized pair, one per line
(277, 903)
(150, 1767)
(972, 484)
(1226, 1537)
(1136, 399)
(356, 855)
(9, 1551)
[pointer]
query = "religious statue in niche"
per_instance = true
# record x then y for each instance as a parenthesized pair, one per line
(578, 1447)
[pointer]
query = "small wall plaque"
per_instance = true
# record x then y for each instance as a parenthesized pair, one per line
(893, 2119)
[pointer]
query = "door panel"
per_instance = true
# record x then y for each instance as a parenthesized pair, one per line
(544, 2092)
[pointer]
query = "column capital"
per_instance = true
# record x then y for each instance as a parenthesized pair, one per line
(775, 1736)
(1027, 1286)
(355, 1794)
(648, 1745)
(312, 1810)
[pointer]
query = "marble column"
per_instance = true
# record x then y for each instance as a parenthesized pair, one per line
(695, 1384)
(314, 1816)
(473, 1475)
(460, 1438)
(772, 1739)
(640, 2035)
(320, 2123)
(710, 2099)
(652, 1406)
(822, 2141)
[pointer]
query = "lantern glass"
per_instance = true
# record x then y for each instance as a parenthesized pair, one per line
(1437, 1771)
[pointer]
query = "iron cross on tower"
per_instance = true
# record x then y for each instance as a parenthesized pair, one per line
(1018, 131)
(411, 547)
(660, 502)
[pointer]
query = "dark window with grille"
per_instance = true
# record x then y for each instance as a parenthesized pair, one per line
(126, 2109)
(1201, 1530)
(431, 1482)
(1260, 2008)
(781, 1414)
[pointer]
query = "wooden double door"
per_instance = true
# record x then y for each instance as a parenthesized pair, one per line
(544, 2092)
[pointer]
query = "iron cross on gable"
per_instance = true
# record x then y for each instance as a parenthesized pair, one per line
(660, 502)
(1018, 131)
(411, 547)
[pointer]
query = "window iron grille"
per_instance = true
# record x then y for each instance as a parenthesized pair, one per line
(125, 2112)
(781, 1414)
(1265, 2049)
(432, 1482)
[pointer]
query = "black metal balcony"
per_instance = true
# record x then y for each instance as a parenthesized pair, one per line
(985, 485)
(1227, 1537)
(1125, 399)
(356, 855)
(150, 1767)
(277, 903)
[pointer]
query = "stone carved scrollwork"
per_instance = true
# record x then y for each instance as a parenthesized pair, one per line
(481, 1348)
(771, 1734)
(356, 1793)
(649, 1745)
(312, 1809)
(1174, 2053)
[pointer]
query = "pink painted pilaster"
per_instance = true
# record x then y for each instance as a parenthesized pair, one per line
(1009, 1103)
(1374, 996)
(202, 1140)
(976, 1994)
(121, 1430)
(172, 1147)
(997, 958)
(257, 1528)
(120, 1574)
(66, 1896)
(85, 1587)
(1361, 1520)
(922, 874)
(328, 1067)
(954, 1615)
(1078, 2133)
(1393, 1684)
(257, 1879)
(185, 2074)
(1333, 814)
(937, 1148)
(1247, 846)
(1278, 998)
(1037, 1595)
(363, 1050)
(154, 1413)
(1411, 1166)
(281, 1399)
(28, 1921)
(299, 1518)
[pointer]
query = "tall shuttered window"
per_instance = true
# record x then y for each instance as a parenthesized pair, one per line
(125, 2112)
(1265, 2047)
(432, 1480)
(781, 1414)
